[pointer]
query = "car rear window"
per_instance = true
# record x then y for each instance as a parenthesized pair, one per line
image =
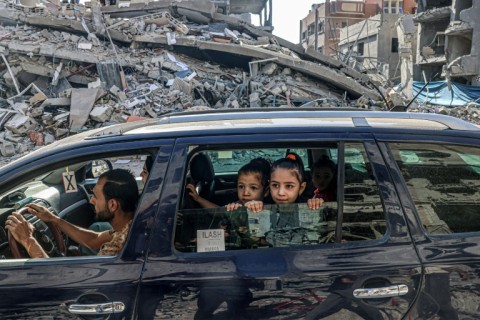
(444, 182)
(205, 225)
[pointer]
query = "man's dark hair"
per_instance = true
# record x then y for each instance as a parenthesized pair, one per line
(120, 184)
(149, 163)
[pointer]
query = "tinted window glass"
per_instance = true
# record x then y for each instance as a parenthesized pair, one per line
(229, 161)
(443, 181)
(363, 215)
(203, 225)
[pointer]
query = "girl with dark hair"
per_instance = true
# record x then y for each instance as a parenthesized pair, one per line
(323, 176)
(287, 183)
(252, 184)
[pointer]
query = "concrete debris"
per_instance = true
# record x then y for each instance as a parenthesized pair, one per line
(101, 113)
(433, 15)
(7, 149)
(71, 67)
(20, 124)
(82, 102)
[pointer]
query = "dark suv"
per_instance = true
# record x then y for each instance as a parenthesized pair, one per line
(399, 241)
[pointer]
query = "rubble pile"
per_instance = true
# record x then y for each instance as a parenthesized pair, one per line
(469, 112)
(70, 68)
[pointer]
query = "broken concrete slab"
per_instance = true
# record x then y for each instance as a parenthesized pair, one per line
(330, 75)
(20, 124)
(101, 113)
(118, 93)
(433, 15)
(182, 86)
(7, 149)
(83, 101)
(56, 102)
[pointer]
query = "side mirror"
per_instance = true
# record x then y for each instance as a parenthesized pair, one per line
(97, 167)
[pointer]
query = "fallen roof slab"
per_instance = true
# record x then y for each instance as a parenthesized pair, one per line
(433, 15)
(316, 70)
(203, 12)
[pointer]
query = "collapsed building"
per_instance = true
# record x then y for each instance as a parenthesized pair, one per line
(69, 67)
(448, 41)
(439, 57)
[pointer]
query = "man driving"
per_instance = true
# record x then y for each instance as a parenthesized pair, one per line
(114, 198)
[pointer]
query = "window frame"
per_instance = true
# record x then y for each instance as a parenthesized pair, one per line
(197, 147)
(412, 190)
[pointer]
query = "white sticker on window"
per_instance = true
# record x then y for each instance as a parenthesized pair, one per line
(210, 240)
(225, 154)
(69, 182)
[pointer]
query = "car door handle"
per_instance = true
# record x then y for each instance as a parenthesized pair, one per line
(97, 308)
(382, 292)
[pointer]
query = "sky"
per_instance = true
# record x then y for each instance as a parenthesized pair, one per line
(287, 15)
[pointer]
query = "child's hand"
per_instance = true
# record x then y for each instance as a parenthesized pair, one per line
(233, 206)
(315, 204)
(255, 206)
(192, 192)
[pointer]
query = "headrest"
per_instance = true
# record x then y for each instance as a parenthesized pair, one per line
(201, 168)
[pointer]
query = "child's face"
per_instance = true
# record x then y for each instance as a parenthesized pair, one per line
(322, 177)
(285, 187)
(249, 187)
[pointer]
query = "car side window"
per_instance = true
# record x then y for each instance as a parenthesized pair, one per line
(67, 190)
(205, 226)
(443, 181)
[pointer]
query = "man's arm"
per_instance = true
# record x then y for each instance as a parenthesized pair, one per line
(22, 231)
(88, 238)
(34, 248)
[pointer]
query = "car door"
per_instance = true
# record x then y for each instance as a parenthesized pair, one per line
(88, 286)
(373, 279)
(438, 181)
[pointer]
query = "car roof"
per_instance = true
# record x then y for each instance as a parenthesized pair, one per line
(267, 120)
(281, 118)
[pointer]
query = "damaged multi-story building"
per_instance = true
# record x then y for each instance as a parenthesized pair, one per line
(242, 9)
(448, 41)
(362, 34)
(372, 45)
(70, 67)
(320, 29)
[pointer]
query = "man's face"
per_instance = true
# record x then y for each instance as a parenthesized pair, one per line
(102, 212)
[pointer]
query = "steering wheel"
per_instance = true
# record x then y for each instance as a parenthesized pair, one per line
(47, 234)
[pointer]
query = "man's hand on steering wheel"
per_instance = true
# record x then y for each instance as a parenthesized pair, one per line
(22, 232)
(21, 229)
(41, 212)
